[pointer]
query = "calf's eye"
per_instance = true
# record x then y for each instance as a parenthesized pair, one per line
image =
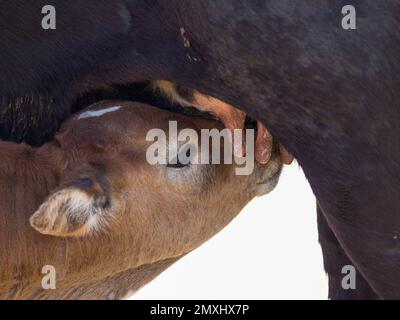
(183, 159)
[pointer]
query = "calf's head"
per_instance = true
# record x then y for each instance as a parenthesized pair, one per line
(108, 186)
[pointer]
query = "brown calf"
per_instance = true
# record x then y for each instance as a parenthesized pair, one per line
(108, 221)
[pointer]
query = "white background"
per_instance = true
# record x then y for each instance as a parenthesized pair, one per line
(270, 251)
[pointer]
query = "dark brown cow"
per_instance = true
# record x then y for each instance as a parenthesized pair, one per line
(329, 95)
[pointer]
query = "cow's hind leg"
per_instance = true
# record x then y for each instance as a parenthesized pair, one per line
(334, 260)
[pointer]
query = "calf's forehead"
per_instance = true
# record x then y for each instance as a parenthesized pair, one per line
(131, 118)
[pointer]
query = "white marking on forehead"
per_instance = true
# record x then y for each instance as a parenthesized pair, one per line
(98, 113)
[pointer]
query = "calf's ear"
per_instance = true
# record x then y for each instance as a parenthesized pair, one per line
(80, 206)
